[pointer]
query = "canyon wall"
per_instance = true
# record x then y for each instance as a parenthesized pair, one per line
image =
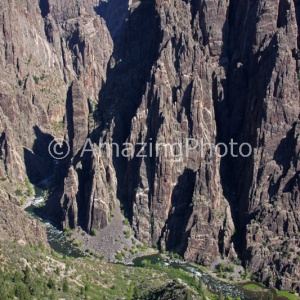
(162, 72)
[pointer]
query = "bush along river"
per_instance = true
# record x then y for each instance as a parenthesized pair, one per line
(59, 243)
(233, 290)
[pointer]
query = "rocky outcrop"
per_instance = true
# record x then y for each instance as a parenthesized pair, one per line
(69, 199)
(16, 225)
(178, 70)
(78, 126)
(100, 194)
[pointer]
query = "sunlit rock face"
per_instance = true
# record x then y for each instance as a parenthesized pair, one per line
(162, 72)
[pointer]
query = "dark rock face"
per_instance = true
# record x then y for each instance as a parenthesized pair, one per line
(48, 50)
(211, 70)
(219, 72)
(114, 12)
(79, 123)
(264, 96)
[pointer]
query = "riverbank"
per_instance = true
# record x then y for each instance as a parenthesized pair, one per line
(116, 244)
(53, 276)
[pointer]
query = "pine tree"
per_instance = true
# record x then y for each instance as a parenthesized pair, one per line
(3, 291)
(271, 297)
(22, 291)
(200, 286)
(26, 279)
(65, 286)
(221, 296)
(51, 284)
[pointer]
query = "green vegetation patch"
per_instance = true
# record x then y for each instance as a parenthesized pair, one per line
(254, 287)
(49, 275)
(287, 295)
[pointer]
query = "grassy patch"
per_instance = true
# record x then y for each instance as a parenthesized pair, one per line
(287, 295)
(253, 287)
(53, 276)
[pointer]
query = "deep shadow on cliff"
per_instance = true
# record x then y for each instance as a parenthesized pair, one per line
(38, 162)
(129, 69)
(114, 13)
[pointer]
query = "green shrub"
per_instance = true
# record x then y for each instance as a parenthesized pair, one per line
(221, 267)
(29, 192)
(145, 247)
(95, 232)
(36, 79)
(118, 256)
(146, 263)
(22, 291)
(18, 193)
(230, 268)
(51, 284)
(246, 274)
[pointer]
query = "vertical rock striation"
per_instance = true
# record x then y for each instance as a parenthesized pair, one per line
(178, 71)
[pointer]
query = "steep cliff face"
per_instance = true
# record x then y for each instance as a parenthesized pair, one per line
(263, 109)
(53, 59)
(178, 70)
(40, 59)
(217, 71)
(179, 203)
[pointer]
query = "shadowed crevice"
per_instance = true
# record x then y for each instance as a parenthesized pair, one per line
(45, 7)
(114, 12)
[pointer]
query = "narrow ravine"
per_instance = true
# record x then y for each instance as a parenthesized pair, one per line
(59, 243)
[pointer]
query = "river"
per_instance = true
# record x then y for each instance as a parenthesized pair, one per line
(58, 243)
(56, 238)
(215, 285)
